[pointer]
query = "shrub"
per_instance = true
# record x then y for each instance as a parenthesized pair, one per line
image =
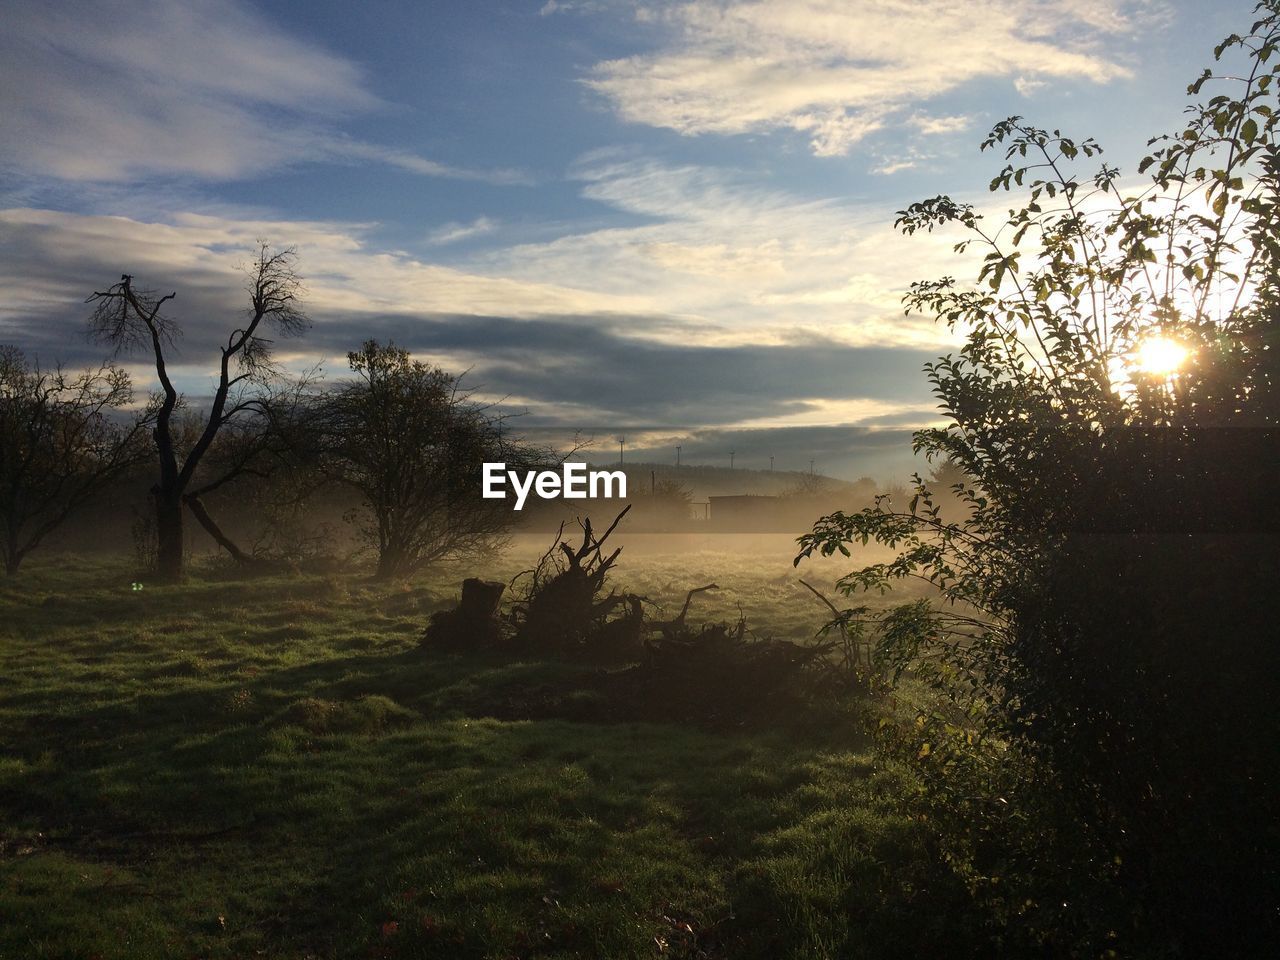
(1094, 677)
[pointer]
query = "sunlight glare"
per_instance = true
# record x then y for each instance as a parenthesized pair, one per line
(1161, 356)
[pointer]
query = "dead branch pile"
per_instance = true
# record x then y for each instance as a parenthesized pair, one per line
(716, 671)
(563, 607)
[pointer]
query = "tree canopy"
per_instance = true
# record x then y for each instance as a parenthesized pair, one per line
(1096, 646)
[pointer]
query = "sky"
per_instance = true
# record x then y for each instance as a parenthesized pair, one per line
(669, 221)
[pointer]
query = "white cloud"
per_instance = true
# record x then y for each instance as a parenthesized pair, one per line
(570, 6)
(101, 90)
(928, 126)
(820, 411)
(1026, 86)
(837, 70)
(454, 232)
(339, 149)
(890, 165)
(734, 262)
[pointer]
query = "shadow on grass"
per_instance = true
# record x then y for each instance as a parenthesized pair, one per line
(296, 777)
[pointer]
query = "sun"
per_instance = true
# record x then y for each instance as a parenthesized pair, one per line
(1160, 356)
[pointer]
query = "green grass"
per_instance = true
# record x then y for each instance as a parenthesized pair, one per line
(274, 768)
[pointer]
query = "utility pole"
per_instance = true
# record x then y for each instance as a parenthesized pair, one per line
(811, 468)
(731, 459)
(622, 441)
(677, 456)
(771, 464)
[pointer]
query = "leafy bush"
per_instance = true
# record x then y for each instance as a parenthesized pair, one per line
(1094, 678)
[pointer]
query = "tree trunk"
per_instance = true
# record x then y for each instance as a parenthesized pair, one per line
(12, 554)
(395, 559)
(206, 521)
(390, 565)
(169, 536)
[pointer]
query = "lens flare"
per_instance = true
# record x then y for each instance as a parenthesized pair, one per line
(1161, 357)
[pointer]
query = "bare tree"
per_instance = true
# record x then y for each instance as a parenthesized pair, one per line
(404, 436)
(130, 319)
(668, 502)
(61, 442)
(808, 485)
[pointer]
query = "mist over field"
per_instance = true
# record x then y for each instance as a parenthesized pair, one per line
(590, 480)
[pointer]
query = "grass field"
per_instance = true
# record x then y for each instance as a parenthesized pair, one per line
(274, 767)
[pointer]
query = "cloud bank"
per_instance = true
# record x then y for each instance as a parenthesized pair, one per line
(839, 70)
(578, 359)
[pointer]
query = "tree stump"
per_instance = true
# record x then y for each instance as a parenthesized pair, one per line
(473, 623)
(480, 599)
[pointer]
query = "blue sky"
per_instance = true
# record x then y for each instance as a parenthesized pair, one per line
(670, 220)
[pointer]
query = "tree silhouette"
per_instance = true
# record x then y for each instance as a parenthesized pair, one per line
(1098, 650)
(405, 436)
(62, 439)
(132, 319)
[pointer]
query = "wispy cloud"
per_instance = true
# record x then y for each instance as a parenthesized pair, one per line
(113, 91)
(455, 232)
(56, 258)
(735, 259)
(339, 149)
(929, 126)
(887, 166)
(1029, 86)
(838, 70)
(918, 148)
